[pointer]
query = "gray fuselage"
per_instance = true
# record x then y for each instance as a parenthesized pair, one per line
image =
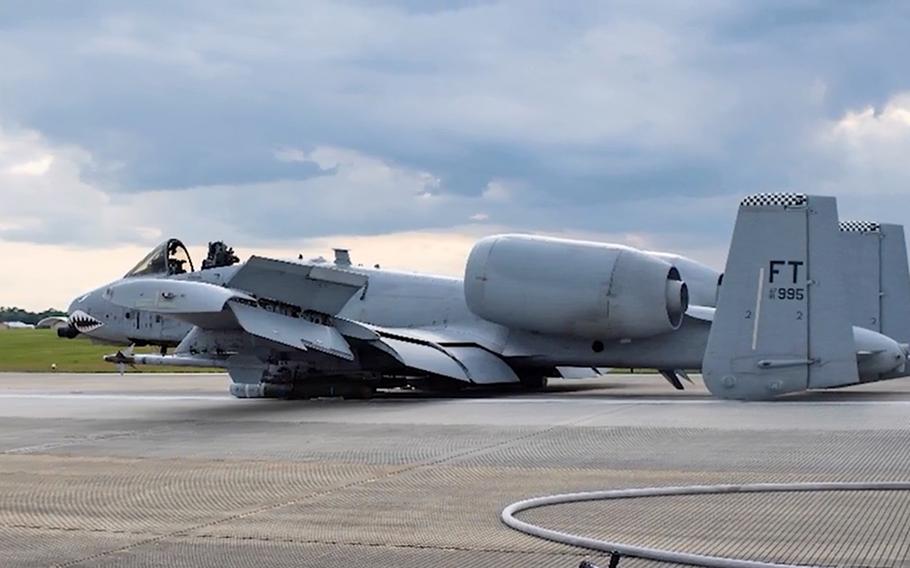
(396, 299)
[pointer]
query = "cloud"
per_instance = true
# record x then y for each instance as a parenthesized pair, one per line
(606, 102)
(281, 122)
(861, 157)
(49, 200)
(497, 190)
(873, 145)
(36, 167)
(582, 96)
(41, 276)
(45, 199)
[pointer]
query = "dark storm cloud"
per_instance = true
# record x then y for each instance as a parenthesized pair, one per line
(597, 114)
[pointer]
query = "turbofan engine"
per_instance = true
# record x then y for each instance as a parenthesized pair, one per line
(585, 289)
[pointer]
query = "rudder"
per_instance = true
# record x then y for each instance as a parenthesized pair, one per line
(780, 324)
(877, 277)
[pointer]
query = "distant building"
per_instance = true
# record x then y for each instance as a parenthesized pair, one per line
(17, 325)
(52, 322)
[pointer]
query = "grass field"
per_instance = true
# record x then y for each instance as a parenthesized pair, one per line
(35, 350)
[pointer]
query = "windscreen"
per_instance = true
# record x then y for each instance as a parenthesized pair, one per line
(167, 259)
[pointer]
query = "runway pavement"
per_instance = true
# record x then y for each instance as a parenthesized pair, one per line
(168, 470)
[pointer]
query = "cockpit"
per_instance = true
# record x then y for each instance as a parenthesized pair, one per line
(167, 259)
(171, 258)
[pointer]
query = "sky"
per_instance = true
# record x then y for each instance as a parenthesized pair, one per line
(405, 130)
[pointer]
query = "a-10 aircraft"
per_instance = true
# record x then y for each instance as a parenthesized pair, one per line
(804, 304)
(318, 327)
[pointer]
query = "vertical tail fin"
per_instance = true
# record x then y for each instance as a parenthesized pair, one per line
(781, 324)
(877, 277)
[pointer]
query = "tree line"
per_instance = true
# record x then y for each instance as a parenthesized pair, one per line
(26, 316)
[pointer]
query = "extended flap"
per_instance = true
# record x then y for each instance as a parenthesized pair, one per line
(293, 332)
(427, 358)
(319, 288)
(355, 330)
(490, 337)
(483, 367)
(425, 349)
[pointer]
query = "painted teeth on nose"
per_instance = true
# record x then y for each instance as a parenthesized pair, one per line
(83, 322)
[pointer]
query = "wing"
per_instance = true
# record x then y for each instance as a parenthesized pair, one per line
(459, 352)
(316, 287)
(216, 308)
(299, 313)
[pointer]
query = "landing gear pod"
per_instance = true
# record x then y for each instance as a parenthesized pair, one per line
(585, 289)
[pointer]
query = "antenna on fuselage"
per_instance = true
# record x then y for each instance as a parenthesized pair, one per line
(342, 257)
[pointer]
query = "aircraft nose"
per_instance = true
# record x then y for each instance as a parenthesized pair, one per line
(70, 331)
(80, 321)
(84, 322)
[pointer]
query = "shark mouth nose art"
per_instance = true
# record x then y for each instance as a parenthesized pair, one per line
(83, 322)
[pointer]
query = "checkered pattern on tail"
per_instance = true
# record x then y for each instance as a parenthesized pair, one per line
(778, 199)
(860, 226)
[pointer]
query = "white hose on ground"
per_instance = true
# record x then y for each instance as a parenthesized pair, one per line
(669, 556)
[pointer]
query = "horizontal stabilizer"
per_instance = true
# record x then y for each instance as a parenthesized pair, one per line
(878, 356)
(315, 287)
(701, 313)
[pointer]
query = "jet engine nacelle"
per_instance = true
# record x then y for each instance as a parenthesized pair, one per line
(585, 289)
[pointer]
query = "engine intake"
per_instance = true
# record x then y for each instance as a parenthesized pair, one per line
(585, 289)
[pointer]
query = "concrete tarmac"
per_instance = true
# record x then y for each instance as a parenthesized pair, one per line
(169, 470)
